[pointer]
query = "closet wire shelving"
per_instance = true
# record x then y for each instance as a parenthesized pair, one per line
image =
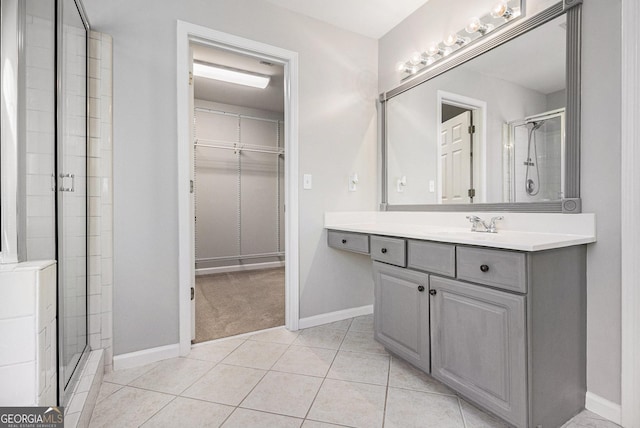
(238, 147)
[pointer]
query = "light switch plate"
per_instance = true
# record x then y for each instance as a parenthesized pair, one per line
(307, 182)
(432, 186)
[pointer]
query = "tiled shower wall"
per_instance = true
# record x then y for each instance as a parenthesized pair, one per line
(100, 175)
(40, 106)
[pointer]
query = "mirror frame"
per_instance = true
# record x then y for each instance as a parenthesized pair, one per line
(571, 203)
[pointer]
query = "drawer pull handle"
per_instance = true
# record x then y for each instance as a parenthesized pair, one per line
(484, 268)
(384, 251)
(433, 292)
(344, 241)
(421, 288)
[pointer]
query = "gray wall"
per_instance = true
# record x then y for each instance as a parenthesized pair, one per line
(337, 118)
(600, 159)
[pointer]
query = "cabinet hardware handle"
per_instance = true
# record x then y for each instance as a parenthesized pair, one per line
(384, 251)
(421, 288)
(433, 292)
(484, 268)
(344, 241)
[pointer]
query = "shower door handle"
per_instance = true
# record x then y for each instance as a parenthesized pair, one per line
(73, 182)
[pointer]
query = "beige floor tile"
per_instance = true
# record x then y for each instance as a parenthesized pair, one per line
(124, 377)
(280, 335)
(406, 409)
(362, 323)
(404, 375)
(476, 418)
(283, 393)
(320, 337)
(587, 419)
(128, 407)
(173, 376)
(225, 384)
(361, 341)
(106, 389)
(342, 325)
(359, 367)
(245, 418)
(216, 351)
(349, 403)
(306, 361)
(185, 412)
(316, 424)
(257, 355)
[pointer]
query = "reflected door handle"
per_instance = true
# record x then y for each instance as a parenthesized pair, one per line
(73, 182)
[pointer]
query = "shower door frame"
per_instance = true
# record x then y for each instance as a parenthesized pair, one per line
(66, 388)
(509, 149)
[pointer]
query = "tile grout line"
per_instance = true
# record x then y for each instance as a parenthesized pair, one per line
(464, 420)
(323, 379)
(386, 393)
(159, 410)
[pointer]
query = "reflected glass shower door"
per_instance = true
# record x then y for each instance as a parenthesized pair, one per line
(72, 192)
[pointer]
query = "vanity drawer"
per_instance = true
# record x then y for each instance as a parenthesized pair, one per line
(432, 257)
(389, 250)
(355, 242)
(497, 268)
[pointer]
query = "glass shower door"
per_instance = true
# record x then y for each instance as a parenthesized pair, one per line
(72, 192)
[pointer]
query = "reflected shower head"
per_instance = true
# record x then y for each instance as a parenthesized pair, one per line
(536, 124)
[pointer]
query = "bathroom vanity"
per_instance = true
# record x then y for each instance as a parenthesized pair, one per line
(500, 318)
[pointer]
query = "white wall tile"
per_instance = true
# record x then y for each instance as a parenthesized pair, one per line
(18, 343)
(17, 294)
(18, 385)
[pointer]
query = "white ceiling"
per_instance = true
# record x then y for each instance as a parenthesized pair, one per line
(371, 18)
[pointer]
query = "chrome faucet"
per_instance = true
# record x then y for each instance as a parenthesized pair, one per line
(479, 225)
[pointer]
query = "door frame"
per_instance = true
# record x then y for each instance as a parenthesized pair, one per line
(479, 109)
(630, 209)
(188, 33)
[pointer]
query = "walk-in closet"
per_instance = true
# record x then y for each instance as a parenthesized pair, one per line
(238, 187)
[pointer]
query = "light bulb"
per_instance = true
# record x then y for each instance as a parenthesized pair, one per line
(416, 58)
(434, 50)
(502, 9)
(476, 26)
(454, 39)
(413, 69)
(401, 66)
(446, 51)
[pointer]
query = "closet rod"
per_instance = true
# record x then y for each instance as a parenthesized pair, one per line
(243, 116)
(241, 149)
(243, 257)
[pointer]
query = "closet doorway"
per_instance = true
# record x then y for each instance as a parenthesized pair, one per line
(238, 190)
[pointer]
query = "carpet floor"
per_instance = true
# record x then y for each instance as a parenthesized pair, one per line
(240, 302)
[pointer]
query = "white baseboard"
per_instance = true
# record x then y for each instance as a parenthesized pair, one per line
(146, 356)
(603, 407)
(239, 268)
(334, 316)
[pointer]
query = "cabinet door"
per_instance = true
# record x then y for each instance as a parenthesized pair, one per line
(401, 312)
(478, 343)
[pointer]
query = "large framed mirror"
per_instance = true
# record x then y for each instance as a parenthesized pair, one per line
(496, 128)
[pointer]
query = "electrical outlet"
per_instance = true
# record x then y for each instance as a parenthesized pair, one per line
(307, 182)
(432, 186)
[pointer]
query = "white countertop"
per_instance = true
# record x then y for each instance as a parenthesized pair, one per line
(518, 231)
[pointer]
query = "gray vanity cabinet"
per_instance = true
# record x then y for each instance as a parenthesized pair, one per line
(478, 345)
(401, 312)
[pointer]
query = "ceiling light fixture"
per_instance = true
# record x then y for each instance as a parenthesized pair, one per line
(230, 75)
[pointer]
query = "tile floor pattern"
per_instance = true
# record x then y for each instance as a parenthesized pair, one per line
(321, 377)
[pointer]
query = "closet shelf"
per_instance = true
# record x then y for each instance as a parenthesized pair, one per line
(237, 147)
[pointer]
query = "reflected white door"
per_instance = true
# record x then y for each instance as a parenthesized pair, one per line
(455, 159)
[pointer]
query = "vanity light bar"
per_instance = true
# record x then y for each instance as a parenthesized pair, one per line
(501, 13)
